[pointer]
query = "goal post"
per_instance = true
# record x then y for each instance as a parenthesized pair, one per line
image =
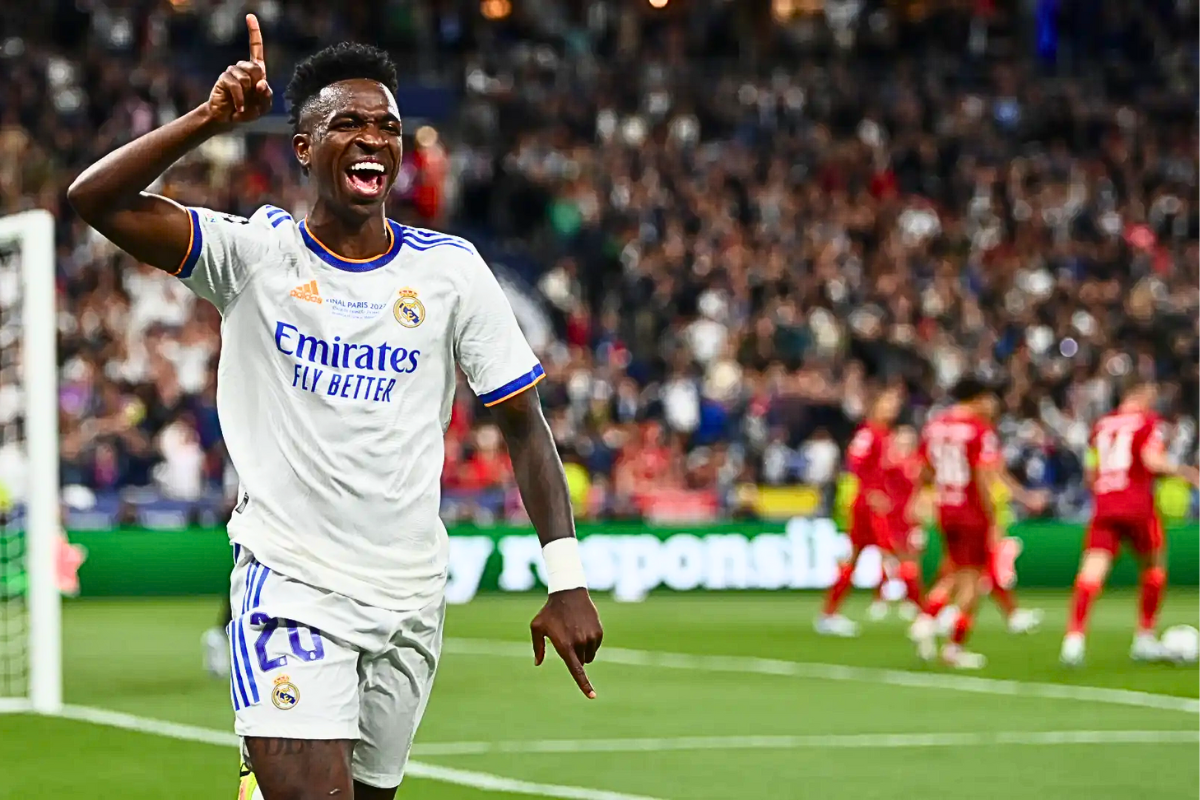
(29, 238)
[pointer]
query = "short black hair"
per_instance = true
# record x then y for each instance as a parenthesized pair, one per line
(338, 62)
(970, 388)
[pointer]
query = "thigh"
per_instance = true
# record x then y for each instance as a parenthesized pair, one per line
(863, 529)
(300, 769)
(967, 546)
(1146, 538)
(394, 690)
(1103, 535)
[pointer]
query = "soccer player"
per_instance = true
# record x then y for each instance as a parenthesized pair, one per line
(903, 541)
(865, 460)
(1127, 453)
(341, 333)
(960, 453)
(1016, 619)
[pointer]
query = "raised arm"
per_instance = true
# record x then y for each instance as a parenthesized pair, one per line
(569, 619)
(110, 195)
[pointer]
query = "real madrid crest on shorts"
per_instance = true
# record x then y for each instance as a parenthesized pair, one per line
(285, 695)
(409, 311)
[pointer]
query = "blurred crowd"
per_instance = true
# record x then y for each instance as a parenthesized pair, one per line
(743, 219)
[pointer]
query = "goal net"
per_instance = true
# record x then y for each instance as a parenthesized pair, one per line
(30, 659)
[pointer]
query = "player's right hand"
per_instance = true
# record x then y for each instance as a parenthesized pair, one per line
(242, 93)
(571, 623)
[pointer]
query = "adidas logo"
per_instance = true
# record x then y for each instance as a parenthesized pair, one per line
(307, 292)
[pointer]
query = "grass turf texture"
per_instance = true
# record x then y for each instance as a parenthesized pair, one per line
(142, 657)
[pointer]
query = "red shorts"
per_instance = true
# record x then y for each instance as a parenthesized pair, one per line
(967, 545)
(1144, 535)
(866, 527)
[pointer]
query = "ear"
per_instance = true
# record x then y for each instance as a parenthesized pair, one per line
(302, 147)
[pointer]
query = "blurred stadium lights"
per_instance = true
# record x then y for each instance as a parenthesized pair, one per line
(495, 9)
(786, 10)
(659, 3)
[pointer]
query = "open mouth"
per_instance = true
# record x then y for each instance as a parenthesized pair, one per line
(367, 178)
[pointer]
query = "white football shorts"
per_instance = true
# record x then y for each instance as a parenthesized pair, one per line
(313, 664)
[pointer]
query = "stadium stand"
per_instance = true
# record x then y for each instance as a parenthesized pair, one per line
(734, 246)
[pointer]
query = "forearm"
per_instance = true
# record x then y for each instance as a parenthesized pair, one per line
(115, 182)
(537, 467)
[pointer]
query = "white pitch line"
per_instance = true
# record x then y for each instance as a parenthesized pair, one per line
(837, 672)
(881, 741)
(130, 722)
(496, 783)
(475, 780)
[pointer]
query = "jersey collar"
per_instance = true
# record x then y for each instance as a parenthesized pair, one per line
(353, 264)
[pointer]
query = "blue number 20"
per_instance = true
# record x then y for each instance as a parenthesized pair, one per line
(265, 662)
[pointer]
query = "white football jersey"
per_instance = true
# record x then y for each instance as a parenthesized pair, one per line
(334, 391)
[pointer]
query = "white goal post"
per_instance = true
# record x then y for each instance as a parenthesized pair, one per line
(31, 234)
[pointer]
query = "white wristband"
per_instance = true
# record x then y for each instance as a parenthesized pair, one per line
(564, 570)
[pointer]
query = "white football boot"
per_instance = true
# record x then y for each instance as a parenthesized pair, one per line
(1073, 650)
(1146, 647)
(1025, 620)
(835, 625)
(954, 656)
(923, 633)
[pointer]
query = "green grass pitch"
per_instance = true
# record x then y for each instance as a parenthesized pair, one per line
(683, 729)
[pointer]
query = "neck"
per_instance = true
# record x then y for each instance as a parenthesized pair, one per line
(348, 234)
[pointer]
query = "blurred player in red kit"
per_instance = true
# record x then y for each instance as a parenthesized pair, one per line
(1001, 573)
(865, 459)
(904, 540)
(961, 457)
(1127, 453)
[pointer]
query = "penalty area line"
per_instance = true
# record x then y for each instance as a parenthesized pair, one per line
(839, 672)
(855, 741)
(416, 769)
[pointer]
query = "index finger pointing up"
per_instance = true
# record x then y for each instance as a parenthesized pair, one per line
(256, 42)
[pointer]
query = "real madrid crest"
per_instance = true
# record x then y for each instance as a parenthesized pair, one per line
(409, 311)
(285, 695)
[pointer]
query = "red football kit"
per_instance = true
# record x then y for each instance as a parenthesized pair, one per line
(900, 481)
(954, 444)
(1123, 487)
(865, 460)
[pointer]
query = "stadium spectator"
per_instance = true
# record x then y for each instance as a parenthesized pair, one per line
(735, 246)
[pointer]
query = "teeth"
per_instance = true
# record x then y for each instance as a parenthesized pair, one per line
(367, 166)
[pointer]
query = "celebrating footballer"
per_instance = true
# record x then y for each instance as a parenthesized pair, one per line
(341, 334)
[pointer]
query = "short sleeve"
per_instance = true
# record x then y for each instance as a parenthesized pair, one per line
(225, 249)
(488, 342)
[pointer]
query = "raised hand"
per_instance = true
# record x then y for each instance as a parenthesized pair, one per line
(569, 620)
(242, 93)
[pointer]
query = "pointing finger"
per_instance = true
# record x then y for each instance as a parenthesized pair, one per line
(576, 668)
(256, 42)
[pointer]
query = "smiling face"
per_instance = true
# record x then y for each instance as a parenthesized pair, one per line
(349, 142)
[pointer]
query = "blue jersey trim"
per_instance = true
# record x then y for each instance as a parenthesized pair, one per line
(195, 246)
(348, 264)
(513, 387)
(421, 240)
